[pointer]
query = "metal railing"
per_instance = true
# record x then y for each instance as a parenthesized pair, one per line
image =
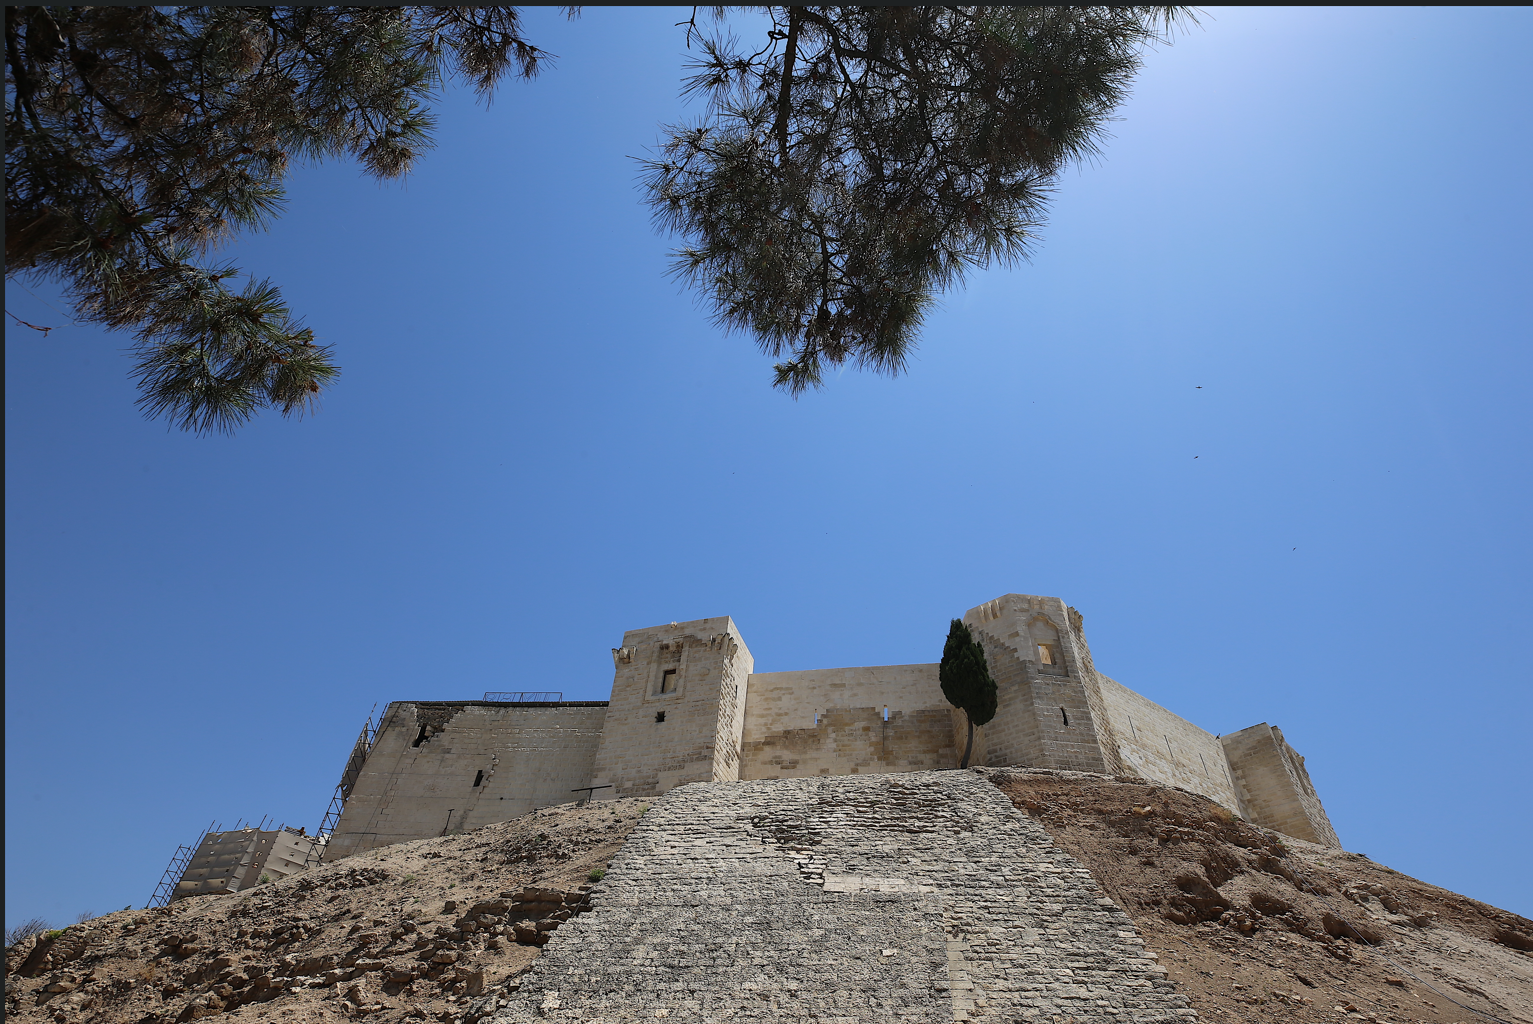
(525, 696)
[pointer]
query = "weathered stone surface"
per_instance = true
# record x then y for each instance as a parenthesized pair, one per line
(912, 897)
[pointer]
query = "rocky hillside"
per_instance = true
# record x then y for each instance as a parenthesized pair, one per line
(1250, 924)
(418, 931)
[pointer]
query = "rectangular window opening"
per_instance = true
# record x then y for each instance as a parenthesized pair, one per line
(478, 778)
(886, 712)
(659, 716)
(1066, 716)
(1046, 655)
(668, 681)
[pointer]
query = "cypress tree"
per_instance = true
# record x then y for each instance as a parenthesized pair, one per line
(966, 682)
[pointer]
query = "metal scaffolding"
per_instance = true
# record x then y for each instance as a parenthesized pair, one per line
(166, 890)
(359, 752)
(525, 696)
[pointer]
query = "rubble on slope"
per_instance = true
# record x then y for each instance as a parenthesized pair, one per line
(420, 930)
(1250, 924)
(1253, 924)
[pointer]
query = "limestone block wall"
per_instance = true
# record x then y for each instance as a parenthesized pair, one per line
(1044, 715)
(677, 708)
(447, 766)
(1091, 682)
(1012, 736)
(1155, 744)
(834, 722)
(1274, 786)
(919, 897)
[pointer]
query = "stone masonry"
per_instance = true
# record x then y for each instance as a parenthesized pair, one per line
(688, 706)
(920, 896)
(439, 767)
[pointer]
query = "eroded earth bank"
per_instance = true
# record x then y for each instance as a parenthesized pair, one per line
(929, 896)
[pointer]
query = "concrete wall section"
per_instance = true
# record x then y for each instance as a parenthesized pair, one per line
(439, 767)
(1274, 786)
(287, 855)
(677, 698)
(1155, 744)
(235, 860)
(221, 863)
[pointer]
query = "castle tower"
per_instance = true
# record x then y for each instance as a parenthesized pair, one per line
(677, 708)
(1050, 712)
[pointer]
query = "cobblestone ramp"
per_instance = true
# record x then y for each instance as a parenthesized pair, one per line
(911, 897)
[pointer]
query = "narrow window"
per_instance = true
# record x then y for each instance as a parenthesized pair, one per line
(1205, 764)
(886, 712)
(1046, 654)
(420, 737)
(668, 681)
(1132, 729)
(478, 778)
(1168, 747)
(1065, 715)
(659, 716)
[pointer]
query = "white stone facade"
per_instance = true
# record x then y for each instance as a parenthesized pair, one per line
(687, 707)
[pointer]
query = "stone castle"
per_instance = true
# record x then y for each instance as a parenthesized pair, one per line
(687, 707)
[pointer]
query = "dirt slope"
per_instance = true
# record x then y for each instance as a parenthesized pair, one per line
(422, 930)
(1250, 924)
(1253, 925)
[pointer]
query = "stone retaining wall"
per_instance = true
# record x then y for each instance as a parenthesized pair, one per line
(922, 896)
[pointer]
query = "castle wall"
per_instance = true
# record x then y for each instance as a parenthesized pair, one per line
(1274, 786)
(1044, 716)
(1013, 735)
(1155, 744)
(677, 708)
(418, 780)
(686, 707)
(833, 722)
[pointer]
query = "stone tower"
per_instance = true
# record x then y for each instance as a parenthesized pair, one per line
(677, 708)
(1050, 712)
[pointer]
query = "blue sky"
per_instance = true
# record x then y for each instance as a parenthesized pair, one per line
(1258, 408)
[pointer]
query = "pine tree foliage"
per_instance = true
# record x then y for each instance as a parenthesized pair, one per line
(965, 678)
(864, 158)
(137, 139)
